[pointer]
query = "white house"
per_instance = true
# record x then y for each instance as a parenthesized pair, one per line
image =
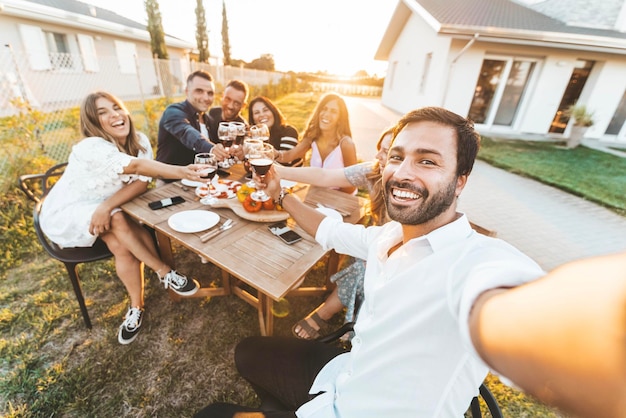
(511, 67)
(59, 50)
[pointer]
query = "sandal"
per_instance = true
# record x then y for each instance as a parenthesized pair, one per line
(312, 333)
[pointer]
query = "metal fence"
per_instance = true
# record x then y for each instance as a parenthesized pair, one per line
(47, 101)
(39, 108)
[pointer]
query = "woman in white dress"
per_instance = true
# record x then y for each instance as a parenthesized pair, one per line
(110, 166)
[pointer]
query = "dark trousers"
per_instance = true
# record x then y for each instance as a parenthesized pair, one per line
(281, 370)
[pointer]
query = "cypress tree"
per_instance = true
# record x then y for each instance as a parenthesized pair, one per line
(225, 40)
(155, 28)
(202, 35)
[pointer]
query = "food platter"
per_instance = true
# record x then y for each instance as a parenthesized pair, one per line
(236, 206)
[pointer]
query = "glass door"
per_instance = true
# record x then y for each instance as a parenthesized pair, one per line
(500, 90)
(616, 127)
(570, 97)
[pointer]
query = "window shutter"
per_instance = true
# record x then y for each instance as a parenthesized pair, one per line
(126, 52)
(35, 46)
(88, 53)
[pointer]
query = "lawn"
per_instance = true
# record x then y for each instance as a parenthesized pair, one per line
(182, 360)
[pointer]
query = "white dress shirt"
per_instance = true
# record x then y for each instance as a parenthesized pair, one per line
(412, 355)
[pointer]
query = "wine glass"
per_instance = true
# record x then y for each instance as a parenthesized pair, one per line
(208, 173)
(240, 134)
(260, 131)
(252, 149)
(261, 164)
(226, 137)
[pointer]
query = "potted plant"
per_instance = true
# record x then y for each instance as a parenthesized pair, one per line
(582, 120)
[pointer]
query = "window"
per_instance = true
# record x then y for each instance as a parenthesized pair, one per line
(59, 50)
(425, 70)
(500, 90)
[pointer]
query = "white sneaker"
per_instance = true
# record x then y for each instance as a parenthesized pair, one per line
(130, 327)
(180, 284)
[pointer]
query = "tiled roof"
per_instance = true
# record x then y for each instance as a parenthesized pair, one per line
(590, 13)
(78, 7)
(503, 14)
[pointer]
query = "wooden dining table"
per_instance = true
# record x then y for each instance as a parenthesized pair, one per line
(256, 266)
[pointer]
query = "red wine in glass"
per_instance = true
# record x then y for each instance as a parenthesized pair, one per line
(261, 165)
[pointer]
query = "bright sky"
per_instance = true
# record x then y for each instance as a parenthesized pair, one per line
(338, 36)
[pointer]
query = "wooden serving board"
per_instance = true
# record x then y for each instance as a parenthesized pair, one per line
(261, 216)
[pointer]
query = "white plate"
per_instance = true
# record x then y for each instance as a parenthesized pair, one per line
(193, 220)
(331, 213)
(288, 184)
(192, 183)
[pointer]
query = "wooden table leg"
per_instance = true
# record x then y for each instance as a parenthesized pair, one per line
(269, 316)
(261, 310)
(332, 267)
(226, 282)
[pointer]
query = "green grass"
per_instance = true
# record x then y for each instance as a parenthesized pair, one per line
(51, 365)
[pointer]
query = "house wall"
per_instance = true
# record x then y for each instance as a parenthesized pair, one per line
(606, 95)
(450, 83)
(413, 80)
(51, 84)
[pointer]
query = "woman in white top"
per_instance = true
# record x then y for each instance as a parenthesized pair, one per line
(329, 137)
(110, 166)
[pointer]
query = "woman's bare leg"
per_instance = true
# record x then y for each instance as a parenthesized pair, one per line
(128, 268)
(325, 311)
(138, 242)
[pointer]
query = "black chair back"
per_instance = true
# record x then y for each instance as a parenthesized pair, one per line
(36, 187)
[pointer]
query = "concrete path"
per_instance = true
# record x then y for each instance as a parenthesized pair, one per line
(551, 226)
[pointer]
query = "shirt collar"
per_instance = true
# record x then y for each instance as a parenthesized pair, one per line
(448, 234)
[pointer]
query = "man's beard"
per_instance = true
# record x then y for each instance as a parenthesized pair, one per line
(429, 208)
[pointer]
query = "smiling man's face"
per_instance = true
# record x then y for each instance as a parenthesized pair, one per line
(420, 178)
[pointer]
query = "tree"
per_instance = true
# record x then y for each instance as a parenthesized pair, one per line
(202, 36)
(225, 40)
(155, 28)
(264, 62)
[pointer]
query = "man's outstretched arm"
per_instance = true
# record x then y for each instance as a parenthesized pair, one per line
(561, 338)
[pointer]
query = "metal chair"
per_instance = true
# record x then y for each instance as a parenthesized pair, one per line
(485, 393)
(70, 257)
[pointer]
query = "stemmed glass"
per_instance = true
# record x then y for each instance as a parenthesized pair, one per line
(227, 137)
(208, 173)
(261, 165)
(260, 131)
(252, 149)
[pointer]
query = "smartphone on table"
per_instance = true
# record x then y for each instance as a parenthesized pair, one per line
(284, 232)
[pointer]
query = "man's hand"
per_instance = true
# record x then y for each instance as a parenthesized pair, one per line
(219, 152)
(270, 183)
(237, 151)
(192, 172)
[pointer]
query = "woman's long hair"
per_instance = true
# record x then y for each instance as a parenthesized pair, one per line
(375, 179)
(90, 123)
(279, 118)
(313, 130)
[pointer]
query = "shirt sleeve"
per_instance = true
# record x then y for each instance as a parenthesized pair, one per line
(177, 123)
(345, 238)
(100, 160)
(503, 266)
(146, 154)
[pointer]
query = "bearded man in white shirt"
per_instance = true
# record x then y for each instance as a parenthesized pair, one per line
(443, 304)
